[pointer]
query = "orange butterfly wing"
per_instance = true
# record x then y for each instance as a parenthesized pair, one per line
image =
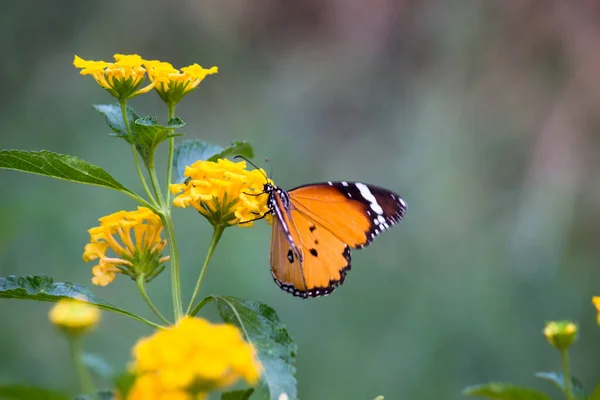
(321, 264)
(314, 230)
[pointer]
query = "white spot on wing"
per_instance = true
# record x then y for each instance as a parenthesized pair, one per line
(367, 195)
(344, 183)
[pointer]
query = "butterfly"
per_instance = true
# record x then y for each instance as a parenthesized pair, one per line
(316, 225)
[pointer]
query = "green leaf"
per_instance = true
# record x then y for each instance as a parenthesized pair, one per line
(558, 379)
(105, 395)
(100, 395)
(58, 166)
(238, 148)
(148, 134)
(23, 392)
(595, 394)
(237, 394)
(114, 119)
(98, 365)
(43, 288)
(263, 328)
(123, 383)
(504, 391)
(189, 151)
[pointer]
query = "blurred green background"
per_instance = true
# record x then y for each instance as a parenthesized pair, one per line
(483, 115)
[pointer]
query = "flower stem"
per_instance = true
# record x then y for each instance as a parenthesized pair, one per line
(154, 181)
(138, 318)
(218, 231)
(140, 200)
(170, 159)
(174, 252)
(567, 374)
(83, 375)
(123, 103)
(142, 289)
(204, 302)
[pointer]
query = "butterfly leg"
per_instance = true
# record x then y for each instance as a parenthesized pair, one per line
(257, 218)
(255, 194)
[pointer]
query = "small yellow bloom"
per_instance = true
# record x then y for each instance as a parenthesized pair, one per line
(596, 303)
(171, 84)
(73, 316)
(224, 192)
(135, 237)
(122, 78)
(561, 334)
(190, 359)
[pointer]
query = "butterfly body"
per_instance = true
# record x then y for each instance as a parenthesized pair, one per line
(316, 225)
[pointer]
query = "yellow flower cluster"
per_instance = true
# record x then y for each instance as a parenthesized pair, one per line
(172, 84)
(226, 193)
(139, 246)
(596, 303)
(190, 359)
(74, 316)
(124, 77)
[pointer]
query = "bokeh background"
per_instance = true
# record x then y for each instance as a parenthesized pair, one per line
(482, 114)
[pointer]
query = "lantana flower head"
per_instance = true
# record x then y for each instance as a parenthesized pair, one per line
(226, 193)
(121, 78)
(172, 84)
(73, 316)
(596, 303)
(135, 238)
(190, 359)
(561, 334)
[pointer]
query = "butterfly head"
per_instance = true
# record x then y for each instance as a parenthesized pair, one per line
(275, 193)
(268, 188)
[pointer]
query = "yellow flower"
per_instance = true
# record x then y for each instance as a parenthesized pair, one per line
(122, 78)
(561, 334)
(596, 303)
(224, 192)
(73, 316)
(190, 359)
(172, 84)
(139, 246)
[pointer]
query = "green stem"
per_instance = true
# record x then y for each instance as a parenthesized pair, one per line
(567, 374)
(154, 181)
(140, 200)
(142, 289)
(204, 302)
(83, 375)
(133, 316)
(218, 231)
(174, 252)
(171, 151)
(123, 103)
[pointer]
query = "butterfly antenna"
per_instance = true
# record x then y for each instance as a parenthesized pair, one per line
(251, 163)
